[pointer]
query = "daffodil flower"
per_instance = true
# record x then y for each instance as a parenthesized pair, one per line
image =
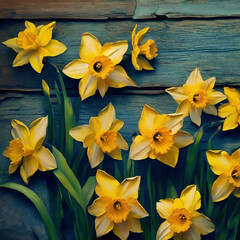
(33, 44)
(97, 66)
(26, 149)
(196, 96)
(160, 137)
(117, 207)
(231, 110)
(101, 136)
(228, 169)
(142, 53)
(182, 219)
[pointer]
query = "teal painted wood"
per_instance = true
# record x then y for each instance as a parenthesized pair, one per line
(213, 46)
(184, 8)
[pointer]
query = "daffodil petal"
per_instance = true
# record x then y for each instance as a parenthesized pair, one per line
(192, 234)
(89, 140)
(87, 86)
(210, 109)
(215, 97)
(23, 174)
(177, 93)
(140, 148)
(12, 43)
(184, 107)
(116, 154)
(230, 122)
(191, 198)
(103, 225)
(143, 62)
(134, 34)
(221, 188)
(195, 115)
(115, 51)
(30, 165)
(226, 110)
(236, 192)
(55, 48)
(95, 124)
(46, 159)
(219, 161)
(38, 130)
(76, 69)
(202, 223)
(140, 35)
(45, 34)
(235, 157)
(107, 185)
(195, 77)
(90, 47)
(170, 158)
(98, 206)
(119, 78)
(165, 208)
(12, 168)
(107, 116)
(135, 62)
(95, 155)
(137, 210)
(122, 144)
(145, 124)
(232, 95)
(20, 130)
(164, 232)
(209, 83)
(134, 225)
(102, 87)
(129, 187)
(22, 58)
(36, 59)
(183, 139)
(80, 132)
(31, 26)
(122, 230)
(117, 125)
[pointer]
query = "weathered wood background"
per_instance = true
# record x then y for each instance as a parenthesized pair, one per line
(189, 34)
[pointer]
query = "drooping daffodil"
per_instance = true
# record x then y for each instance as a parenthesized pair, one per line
(117, 207)
(160, 137)
(26, 149)
(228, 169)
(33, 44)
(97, 66)
(182, 219)
(144, 52)
(230, 110)
(195, 96)
(101, 136)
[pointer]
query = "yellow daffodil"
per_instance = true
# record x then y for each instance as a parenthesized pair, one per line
(148, 49)
(182, 219)
(231, 110)
(33, 44)
(160, 137)
(26, 149)
(97, 66)
(228, 169)
(117, 207)
(101, 136)
(196, 96)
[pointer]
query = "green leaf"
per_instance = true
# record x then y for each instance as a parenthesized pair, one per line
(33, 197)
(88, 189)
(171, 190)
(117, 173)
(68, 179)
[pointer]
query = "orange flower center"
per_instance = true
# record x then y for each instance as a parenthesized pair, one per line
(27, 40)
(101, 67)
(107, 140)
(117, 210)
(149, 49)
(162, 140)
(180, 220)
(234, 176)
(199, 99)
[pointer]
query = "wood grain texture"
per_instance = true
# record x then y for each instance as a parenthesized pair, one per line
(213, 46)
(71, 9)
(185, 8)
